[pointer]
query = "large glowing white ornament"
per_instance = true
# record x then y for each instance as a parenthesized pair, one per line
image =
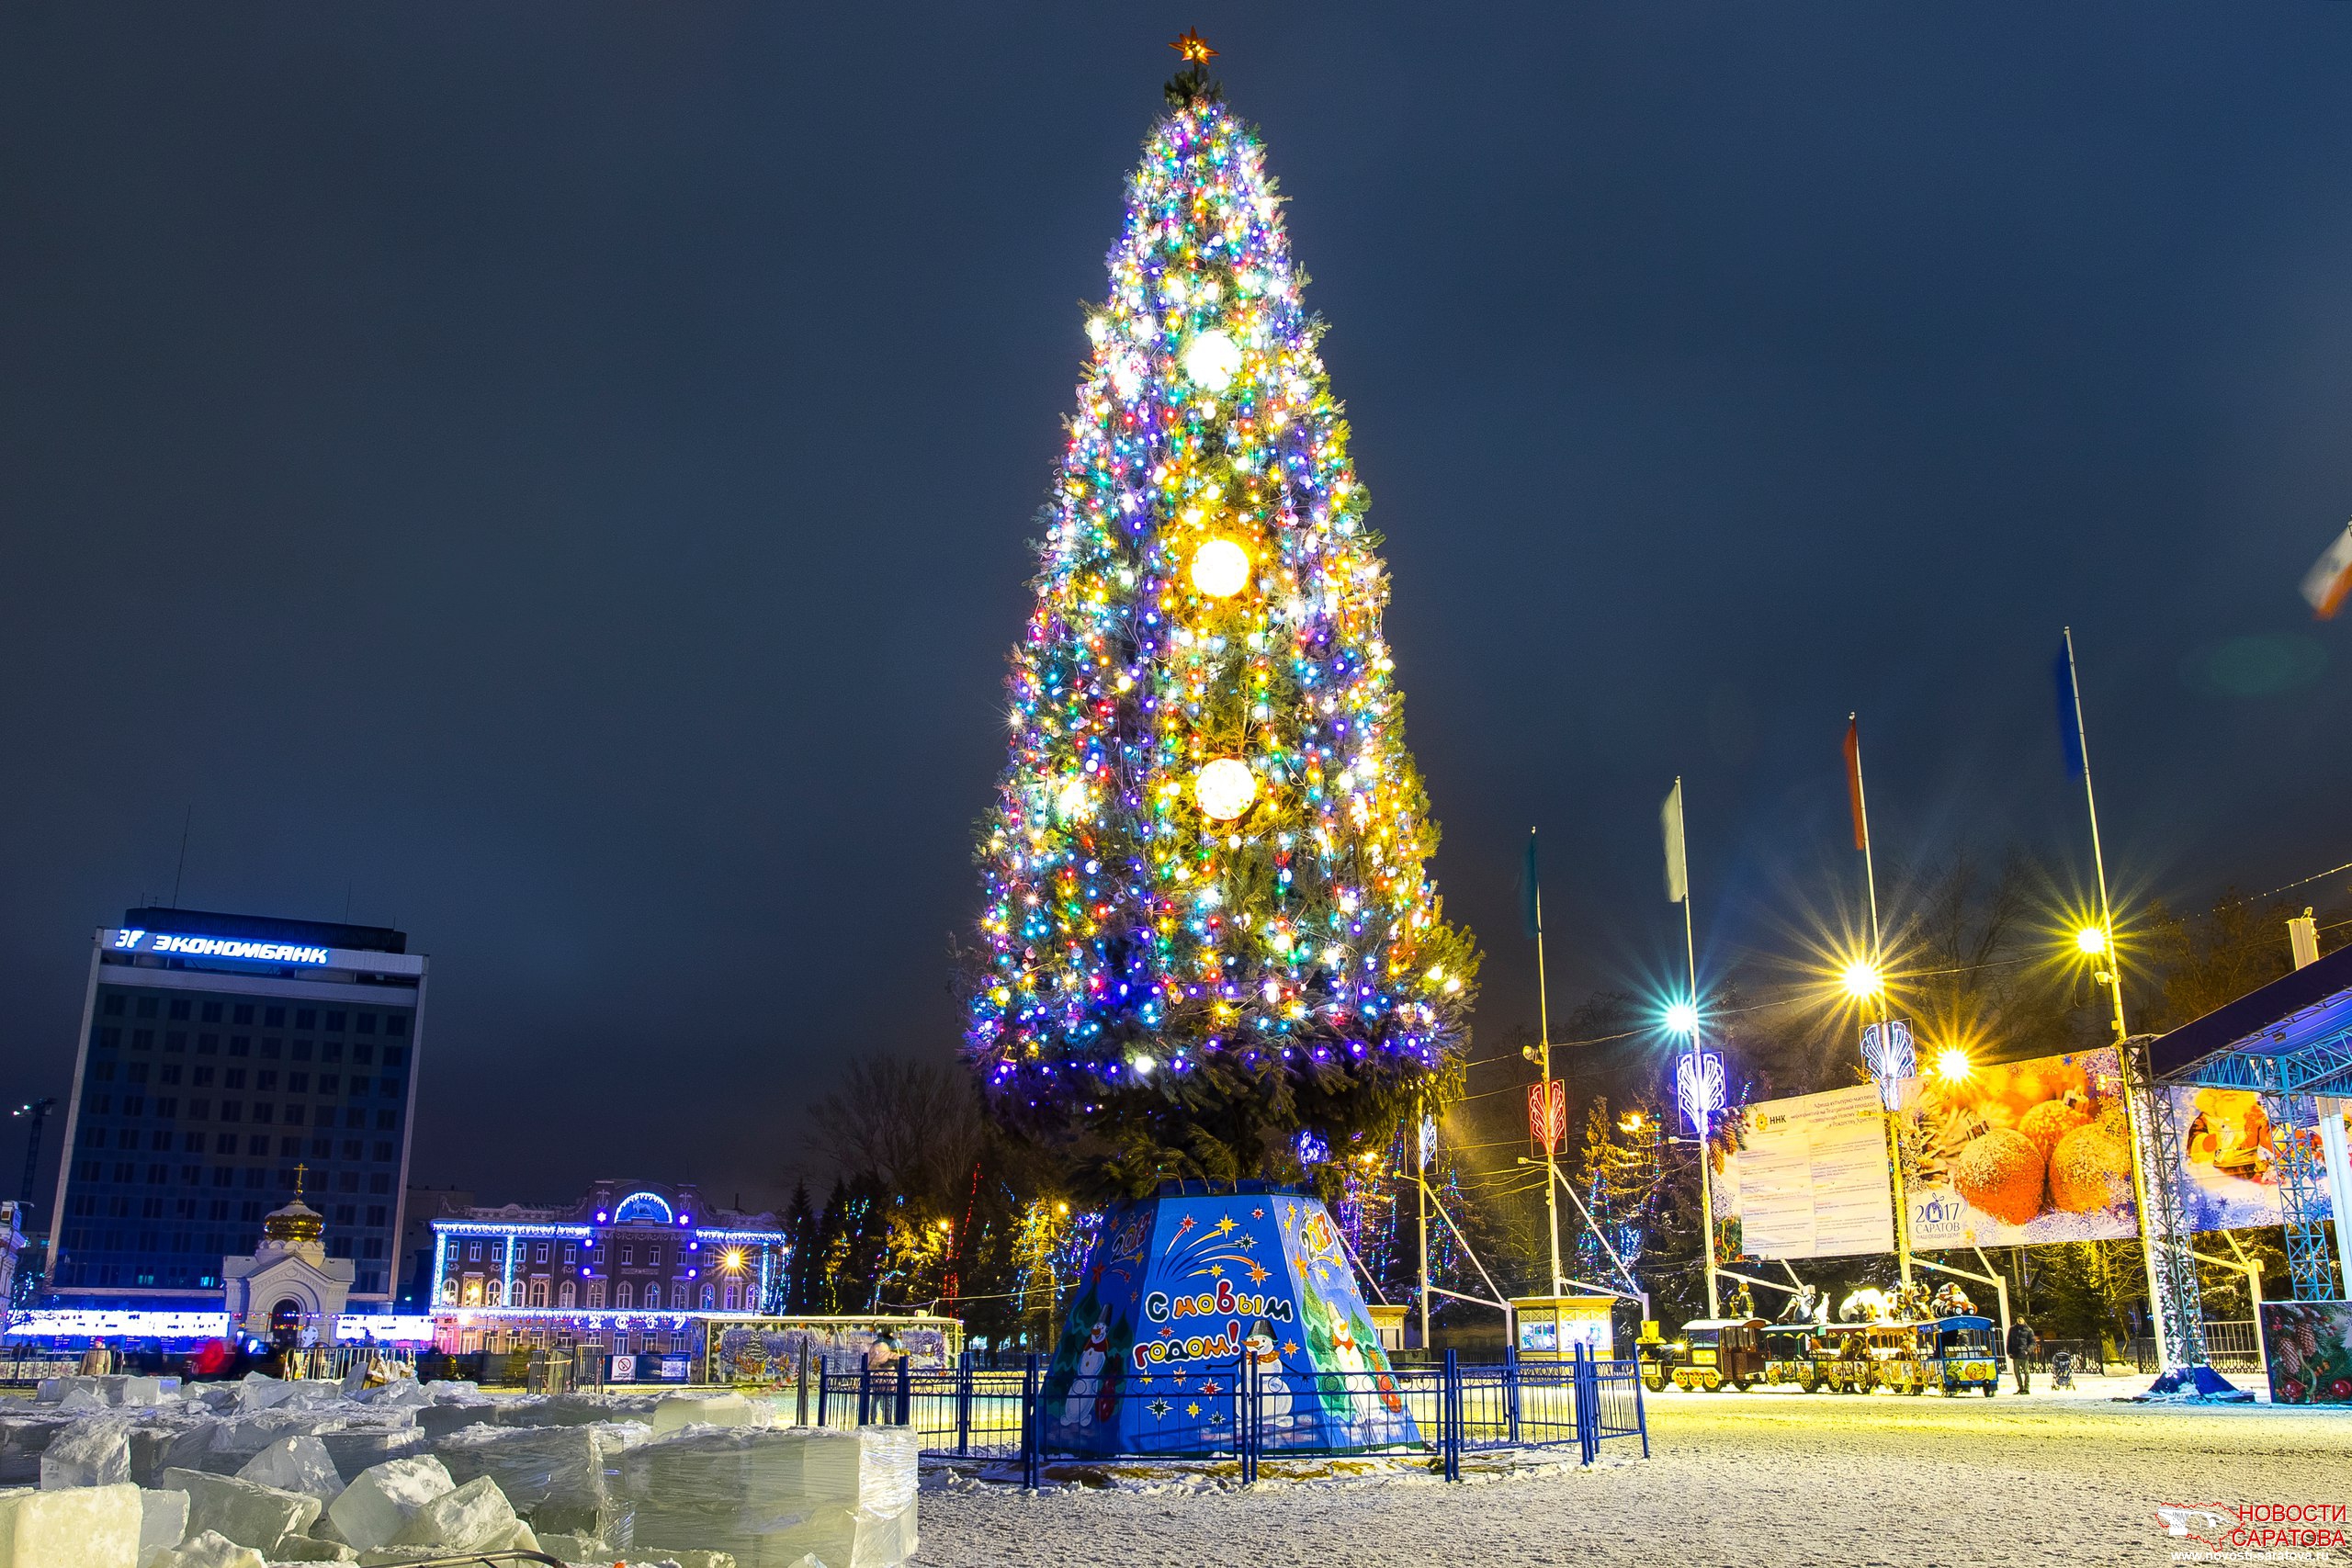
(1213, 360)
(1221, 568)
(1225, 789)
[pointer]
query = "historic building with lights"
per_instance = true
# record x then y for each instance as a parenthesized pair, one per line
(628, 1265)
(219, 1054)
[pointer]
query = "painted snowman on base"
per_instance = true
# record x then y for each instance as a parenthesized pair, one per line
(1274, 1394)
(1078, 1406)
(1347, 1356)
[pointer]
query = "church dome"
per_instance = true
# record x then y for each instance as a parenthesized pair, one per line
(295, 1223)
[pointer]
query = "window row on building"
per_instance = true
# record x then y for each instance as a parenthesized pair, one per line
(197, 1010)
(110, 1037)
(160, 1173)
(85, 1206)
(265, 1079)
(261, 1114)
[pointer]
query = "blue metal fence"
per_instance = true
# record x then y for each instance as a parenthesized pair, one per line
(1446, 1410)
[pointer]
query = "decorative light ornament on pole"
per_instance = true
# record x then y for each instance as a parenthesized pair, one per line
(1890, 1055)
(1683, 1018)
(1547, 1114)
(1699, 1090)
(1225, 789)
(1221, 568)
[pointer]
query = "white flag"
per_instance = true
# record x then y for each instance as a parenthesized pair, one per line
(1678, 867)
(2330, 576)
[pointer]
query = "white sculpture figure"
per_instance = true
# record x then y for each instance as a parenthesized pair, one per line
(1077, 1407)
(1868, 1304)
(1274, 1394)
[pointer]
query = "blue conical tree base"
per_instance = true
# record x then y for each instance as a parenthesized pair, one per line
(2197, 1382)
(1179, 1288)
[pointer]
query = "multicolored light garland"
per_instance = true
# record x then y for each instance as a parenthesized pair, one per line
(1205, 866)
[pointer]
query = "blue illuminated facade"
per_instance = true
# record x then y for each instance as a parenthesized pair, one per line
(218, 1052)
(626, 1248)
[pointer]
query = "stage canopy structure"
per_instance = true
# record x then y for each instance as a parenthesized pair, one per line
(2290, 1041)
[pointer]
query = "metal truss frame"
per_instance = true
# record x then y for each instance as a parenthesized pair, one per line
(2179, 1304)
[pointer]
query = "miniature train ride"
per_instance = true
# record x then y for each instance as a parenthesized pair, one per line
(1950, 1354)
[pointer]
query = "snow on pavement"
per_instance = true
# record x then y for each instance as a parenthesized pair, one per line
(1747, 1481)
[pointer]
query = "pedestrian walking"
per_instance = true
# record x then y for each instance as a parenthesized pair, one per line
(2022, 1340)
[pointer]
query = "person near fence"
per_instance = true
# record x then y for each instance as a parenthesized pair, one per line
(2022, 1341)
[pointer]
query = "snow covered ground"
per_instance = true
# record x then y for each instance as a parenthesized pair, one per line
(1745, 1480)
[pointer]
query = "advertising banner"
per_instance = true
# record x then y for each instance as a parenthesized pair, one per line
(1808, 1178)
(2309, 1346)
(2229, 1157)
(2019, 1152)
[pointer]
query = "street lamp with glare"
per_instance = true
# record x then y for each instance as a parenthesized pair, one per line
(1682, 1017)
(2090, 942)
(1861, 979)
(1951, 1064)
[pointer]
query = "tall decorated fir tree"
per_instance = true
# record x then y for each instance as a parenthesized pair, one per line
(1209, 924)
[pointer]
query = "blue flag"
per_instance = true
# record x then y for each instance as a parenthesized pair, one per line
(2070, 724)
(1530, 892)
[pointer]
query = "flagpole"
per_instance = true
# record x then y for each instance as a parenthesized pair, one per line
(1421, 1204)
(1706, 1113)
(1885, 1030)
(1544, 1082)
(2166, 1351)
(2099, 860)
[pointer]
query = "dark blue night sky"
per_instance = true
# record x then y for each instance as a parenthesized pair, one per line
(557, 479)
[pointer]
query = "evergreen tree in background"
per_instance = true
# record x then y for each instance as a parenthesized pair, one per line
(803, 1251)
(1615, 1178)
(827, 1258)
(1208, 920)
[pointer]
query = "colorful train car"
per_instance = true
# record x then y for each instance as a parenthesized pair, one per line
(1714, 1353)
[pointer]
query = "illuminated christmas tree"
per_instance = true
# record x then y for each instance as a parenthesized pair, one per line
(1209, 926)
